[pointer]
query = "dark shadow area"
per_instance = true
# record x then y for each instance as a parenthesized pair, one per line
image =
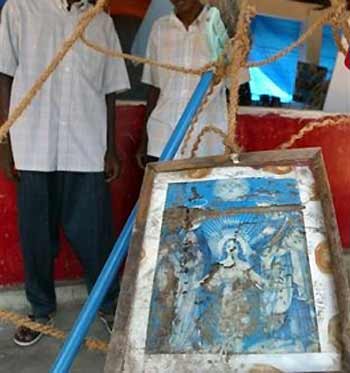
(127, 27)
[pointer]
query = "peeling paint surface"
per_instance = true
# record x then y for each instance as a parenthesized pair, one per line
(230, 279)
(237, 283)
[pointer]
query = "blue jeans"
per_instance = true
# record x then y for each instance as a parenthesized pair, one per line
(80, 204)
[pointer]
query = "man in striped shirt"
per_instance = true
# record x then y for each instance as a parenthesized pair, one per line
(191, 36)
(63, 145)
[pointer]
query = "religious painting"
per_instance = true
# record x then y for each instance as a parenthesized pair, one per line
(232, 269)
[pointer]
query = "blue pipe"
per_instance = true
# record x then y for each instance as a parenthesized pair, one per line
(87, 315)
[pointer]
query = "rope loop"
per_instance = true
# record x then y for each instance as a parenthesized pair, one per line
(228, 65)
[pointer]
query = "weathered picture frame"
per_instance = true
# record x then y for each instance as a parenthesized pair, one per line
(234, 267)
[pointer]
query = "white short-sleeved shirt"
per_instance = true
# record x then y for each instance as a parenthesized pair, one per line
(65, 127)
(338, 95)
(170, 42)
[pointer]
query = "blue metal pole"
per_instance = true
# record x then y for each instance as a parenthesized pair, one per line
(87, 315)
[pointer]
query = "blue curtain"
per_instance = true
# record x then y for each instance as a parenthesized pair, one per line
(269, 36)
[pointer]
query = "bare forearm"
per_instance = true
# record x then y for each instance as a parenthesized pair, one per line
(112, 162)
(6, 158)
(111, 123)
(152, 100)
(5, 94)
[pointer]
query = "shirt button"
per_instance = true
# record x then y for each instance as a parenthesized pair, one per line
(67, 69)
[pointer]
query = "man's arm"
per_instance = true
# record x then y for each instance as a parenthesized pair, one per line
(112, 162)
(151, 77)
(5, 94)
(152, 100)
(6, 158)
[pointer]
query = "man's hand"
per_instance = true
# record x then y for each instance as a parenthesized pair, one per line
(152, 100)
(141, 154)
(6, 158)
(6, 162)
(112, 167)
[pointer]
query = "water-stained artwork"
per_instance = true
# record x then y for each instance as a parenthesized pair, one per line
(232, 273)
(234, 267)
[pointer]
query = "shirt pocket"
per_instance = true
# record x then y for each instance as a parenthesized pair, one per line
(90, 65)
(201, 51)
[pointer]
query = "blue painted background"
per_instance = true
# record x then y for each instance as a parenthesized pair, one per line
(238, 193)
(235, 283)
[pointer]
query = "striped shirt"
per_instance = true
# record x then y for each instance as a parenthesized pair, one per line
(171, 42)
(65, 128)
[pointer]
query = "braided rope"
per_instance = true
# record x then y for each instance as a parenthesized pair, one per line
(338, 40)
(240, 50)
(206, 130)
(346, 30)
(333, 15)
(336, 15)
(342, 20)
(339, 21)
(19, 320)
(329, 122)
(114, 54)
(200, 110)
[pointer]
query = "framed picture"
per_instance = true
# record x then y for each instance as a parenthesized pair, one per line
(234, 267)
(311, 86)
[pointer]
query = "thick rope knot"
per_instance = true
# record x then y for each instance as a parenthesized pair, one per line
(239, 55)
(339, 21)
(220, 69)
(229, 65)
(339, 15)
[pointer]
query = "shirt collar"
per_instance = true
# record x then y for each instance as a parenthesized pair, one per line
(202, 17)
(80, 5)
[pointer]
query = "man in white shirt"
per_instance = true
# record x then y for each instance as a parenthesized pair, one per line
(337, 98)
(63, 145)
(191, 36)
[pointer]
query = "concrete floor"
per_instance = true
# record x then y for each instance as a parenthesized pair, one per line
(39, 358)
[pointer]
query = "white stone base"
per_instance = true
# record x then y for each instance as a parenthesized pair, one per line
(14, 299)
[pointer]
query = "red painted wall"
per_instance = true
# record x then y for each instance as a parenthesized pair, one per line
(269, 131)
(255, 133)
(124, 194)
(136, 8)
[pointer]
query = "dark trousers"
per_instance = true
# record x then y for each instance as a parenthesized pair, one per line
(80, 204)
